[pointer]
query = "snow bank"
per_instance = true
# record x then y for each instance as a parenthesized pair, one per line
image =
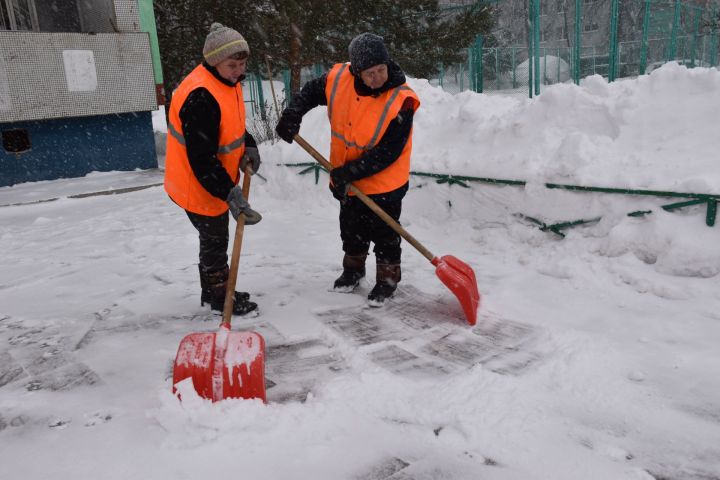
(621, 134)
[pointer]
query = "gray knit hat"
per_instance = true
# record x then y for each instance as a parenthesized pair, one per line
(222, 42)
(367, 50)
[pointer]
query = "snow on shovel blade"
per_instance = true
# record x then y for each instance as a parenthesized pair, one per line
(460, 279)
(222, 365)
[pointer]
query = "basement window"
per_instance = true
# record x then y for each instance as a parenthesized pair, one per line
(16, 140)
(87, 16)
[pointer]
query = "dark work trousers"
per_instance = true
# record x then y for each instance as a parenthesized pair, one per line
(214, 237)
(359, 226)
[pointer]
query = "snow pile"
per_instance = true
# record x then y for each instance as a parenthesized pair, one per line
(624, 134)
(620, 134)
(594, 357)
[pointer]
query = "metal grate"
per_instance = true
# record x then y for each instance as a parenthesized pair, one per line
(128, 16)
(44, 75)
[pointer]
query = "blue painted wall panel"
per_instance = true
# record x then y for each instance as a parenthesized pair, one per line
(74, 147)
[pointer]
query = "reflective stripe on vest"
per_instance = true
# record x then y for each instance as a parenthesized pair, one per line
(376, 135)
(222, 149)
(334, 90)
(180, 181)
(357, 123)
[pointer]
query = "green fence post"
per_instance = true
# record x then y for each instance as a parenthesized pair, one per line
(711, 212)
(613, 48)
(696, 28)
(673, 39)
(497, 68)
(646, 34)
(578, 40)
(536, 19)
(468, 61)
(471, 68)
(479, 63)
(531, 42)
(514, 76)
(714, 39)
(261, 99)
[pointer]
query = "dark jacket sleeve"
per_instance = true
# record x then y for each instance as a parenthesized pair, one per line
(310, 96)
(200, 118)
(387, 150)
(250, 140)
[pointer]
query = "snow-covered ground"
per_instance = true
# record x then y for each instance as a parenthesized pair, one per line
(594, 357)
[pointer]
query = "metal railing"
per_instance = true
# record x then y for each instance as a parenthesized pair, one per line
(464, 181)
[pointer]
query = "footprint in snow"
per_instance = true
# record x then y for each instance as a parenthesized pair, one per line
(97, 418)
(59, 423)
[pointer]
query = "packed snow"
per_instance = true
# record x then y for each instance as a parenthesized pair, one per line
(595, 356)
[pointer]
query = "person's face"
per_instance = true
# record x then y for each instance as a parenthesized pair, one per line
(231, 68)
(375, 77)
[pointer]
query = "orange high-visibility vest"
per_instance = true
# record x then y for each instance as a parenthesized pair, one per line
(358, 123)
(180, 181)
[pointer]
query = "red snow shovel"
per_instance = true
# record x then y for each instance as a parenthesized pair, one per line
(225, 364)
(454, 273)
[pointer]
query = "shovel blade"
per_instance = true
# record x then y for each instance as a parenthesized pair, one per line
(222, 365)
(460, 279)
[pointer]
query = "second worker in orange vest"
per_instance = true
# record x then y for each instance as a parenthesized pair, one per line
(371, 108)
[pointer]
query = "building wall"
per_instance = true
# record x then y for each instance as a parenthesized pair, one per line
(127, 15)
(54, 75)
(74, 147)
(76, 92)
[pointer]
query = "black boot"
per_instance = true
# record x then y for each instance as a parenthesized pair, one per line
(205, 295)
(214, 286)
(387, 277)
(353, 272)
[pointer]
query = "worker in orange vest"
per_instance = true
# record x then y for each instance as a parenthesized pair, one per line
(370, 108)
(207, 148)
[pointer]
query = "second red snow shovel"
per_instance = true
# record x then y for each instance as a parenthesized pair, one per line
(225, 364)
(457, 275)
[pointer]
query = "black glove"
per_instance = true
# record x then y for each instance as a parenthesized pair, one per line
(239, 206)
(340, 183)
(289, 125)
(252, 158)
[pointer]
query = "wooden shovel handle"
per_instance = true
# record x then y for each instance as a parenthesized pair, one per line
(368, 201)
(235, 259)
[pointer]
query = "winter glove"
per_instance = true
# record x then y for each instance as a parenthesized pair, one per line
(239, 206)
(339, 195)
(289, 125)
(340, 183)
(252, 158)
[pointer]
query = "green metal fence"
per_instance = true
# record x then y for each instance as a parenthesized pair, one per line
(566, 40)
(709, 201)
(543, 42)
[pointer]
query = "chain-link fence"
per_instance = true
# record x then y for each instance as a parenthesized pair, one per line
(542, 42)
(536, 43)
